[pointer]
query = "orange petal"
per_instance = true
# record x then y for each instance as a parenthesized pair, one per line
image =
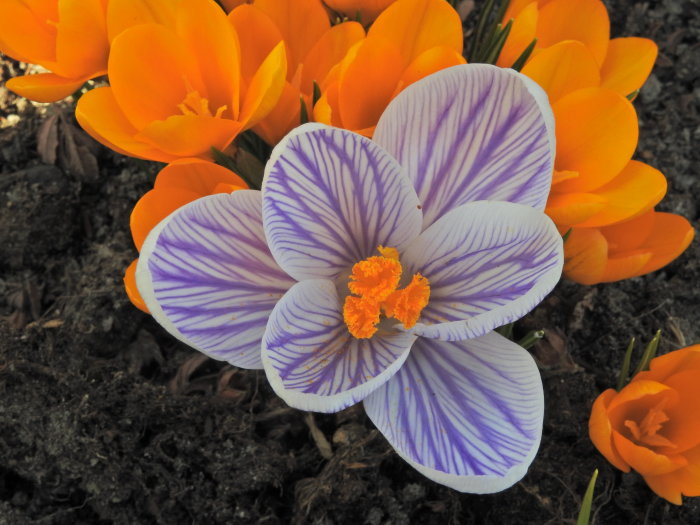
(258, 35)
(28, 33)
(44, 87)
(597, 133)
(196, 175)
(329, 51)
(629, 235)
(190, 135)
(285, 116)
(600, 430)
(148, 71)
(132, 291)
(429, 62)
(684, 481)
(301, 22)
(625, 266)
(637, 189)
(569, 209)
(644, 460)
(628, 64)
(635, 391)
(664, 366)
(368, 83)
(153, 207)
(563, 68)
(522, 33)
(124, 14)
(414, 26)
(585, 255)
(81, 41)
(99, 115)
(671, 235)
(368, 10)
(561, 176)
(206, 31)
(683, 426)
(265, 87)
(584, 20)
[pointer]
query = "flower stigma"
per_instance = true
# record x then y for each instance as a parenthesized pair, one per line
(374, 283)
(196, 104)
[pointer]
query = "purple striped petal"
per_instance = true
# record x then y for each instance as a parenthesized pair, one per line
(330, 197)
(488, 264)
(469, 133)
(466, 414)
(209, 279)
(314, 363)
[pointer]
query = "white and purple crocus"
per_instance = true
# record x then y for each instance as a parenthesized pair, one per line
(438, 225)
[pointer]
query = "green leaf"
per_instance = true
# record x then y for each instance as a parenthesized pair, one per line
(566, 236)
(506, 330)
(304, 114)
(520, 62)
(625, 370)
(649, 354)
(317, 93)
(498, 44)
(530, 339)
(584, 514)
(633, 95)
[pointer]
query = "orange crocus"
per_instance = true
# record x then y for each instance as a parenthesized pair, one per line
(597, 189)
(177, 90)
(623, 64)
(409, 40)
(67, 37)
(365, 11)
(312, 48)
(177, 184)
(652, 425)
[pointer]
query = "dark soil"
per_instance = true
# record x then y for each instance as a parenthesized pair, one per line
(105, 419)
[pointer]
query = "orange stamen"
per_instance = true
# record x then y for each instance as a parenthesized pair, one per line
(375, 281)
(375, 278)
(361, 315)
(407, 304)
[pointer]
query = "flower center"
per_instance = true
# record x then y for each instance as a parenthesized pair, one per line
(646, 431)
(374, 283)
(196, 104)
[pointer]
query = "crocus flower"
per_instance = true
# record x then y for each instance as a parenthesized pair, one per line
(376, 271)
(177, 184)
(367, 10)
(177, 91)
(598, 192)
(620, 64)
(409, 40)
(67, 37)
(312, 46)
(626, 249)
(652, 425)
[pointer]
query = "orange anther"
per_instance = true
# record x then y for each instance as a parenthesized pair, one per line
(375, 281)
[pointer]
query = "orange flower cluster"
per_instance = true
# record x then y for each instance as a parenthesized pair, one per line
(408, 41)
(598, 192)
(652, 425)
(67, 37)
(177, 184)
(188, 76)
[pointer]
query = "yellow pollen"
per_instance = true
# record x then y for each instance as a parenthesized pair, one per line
(389, 253)
(374, 282)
